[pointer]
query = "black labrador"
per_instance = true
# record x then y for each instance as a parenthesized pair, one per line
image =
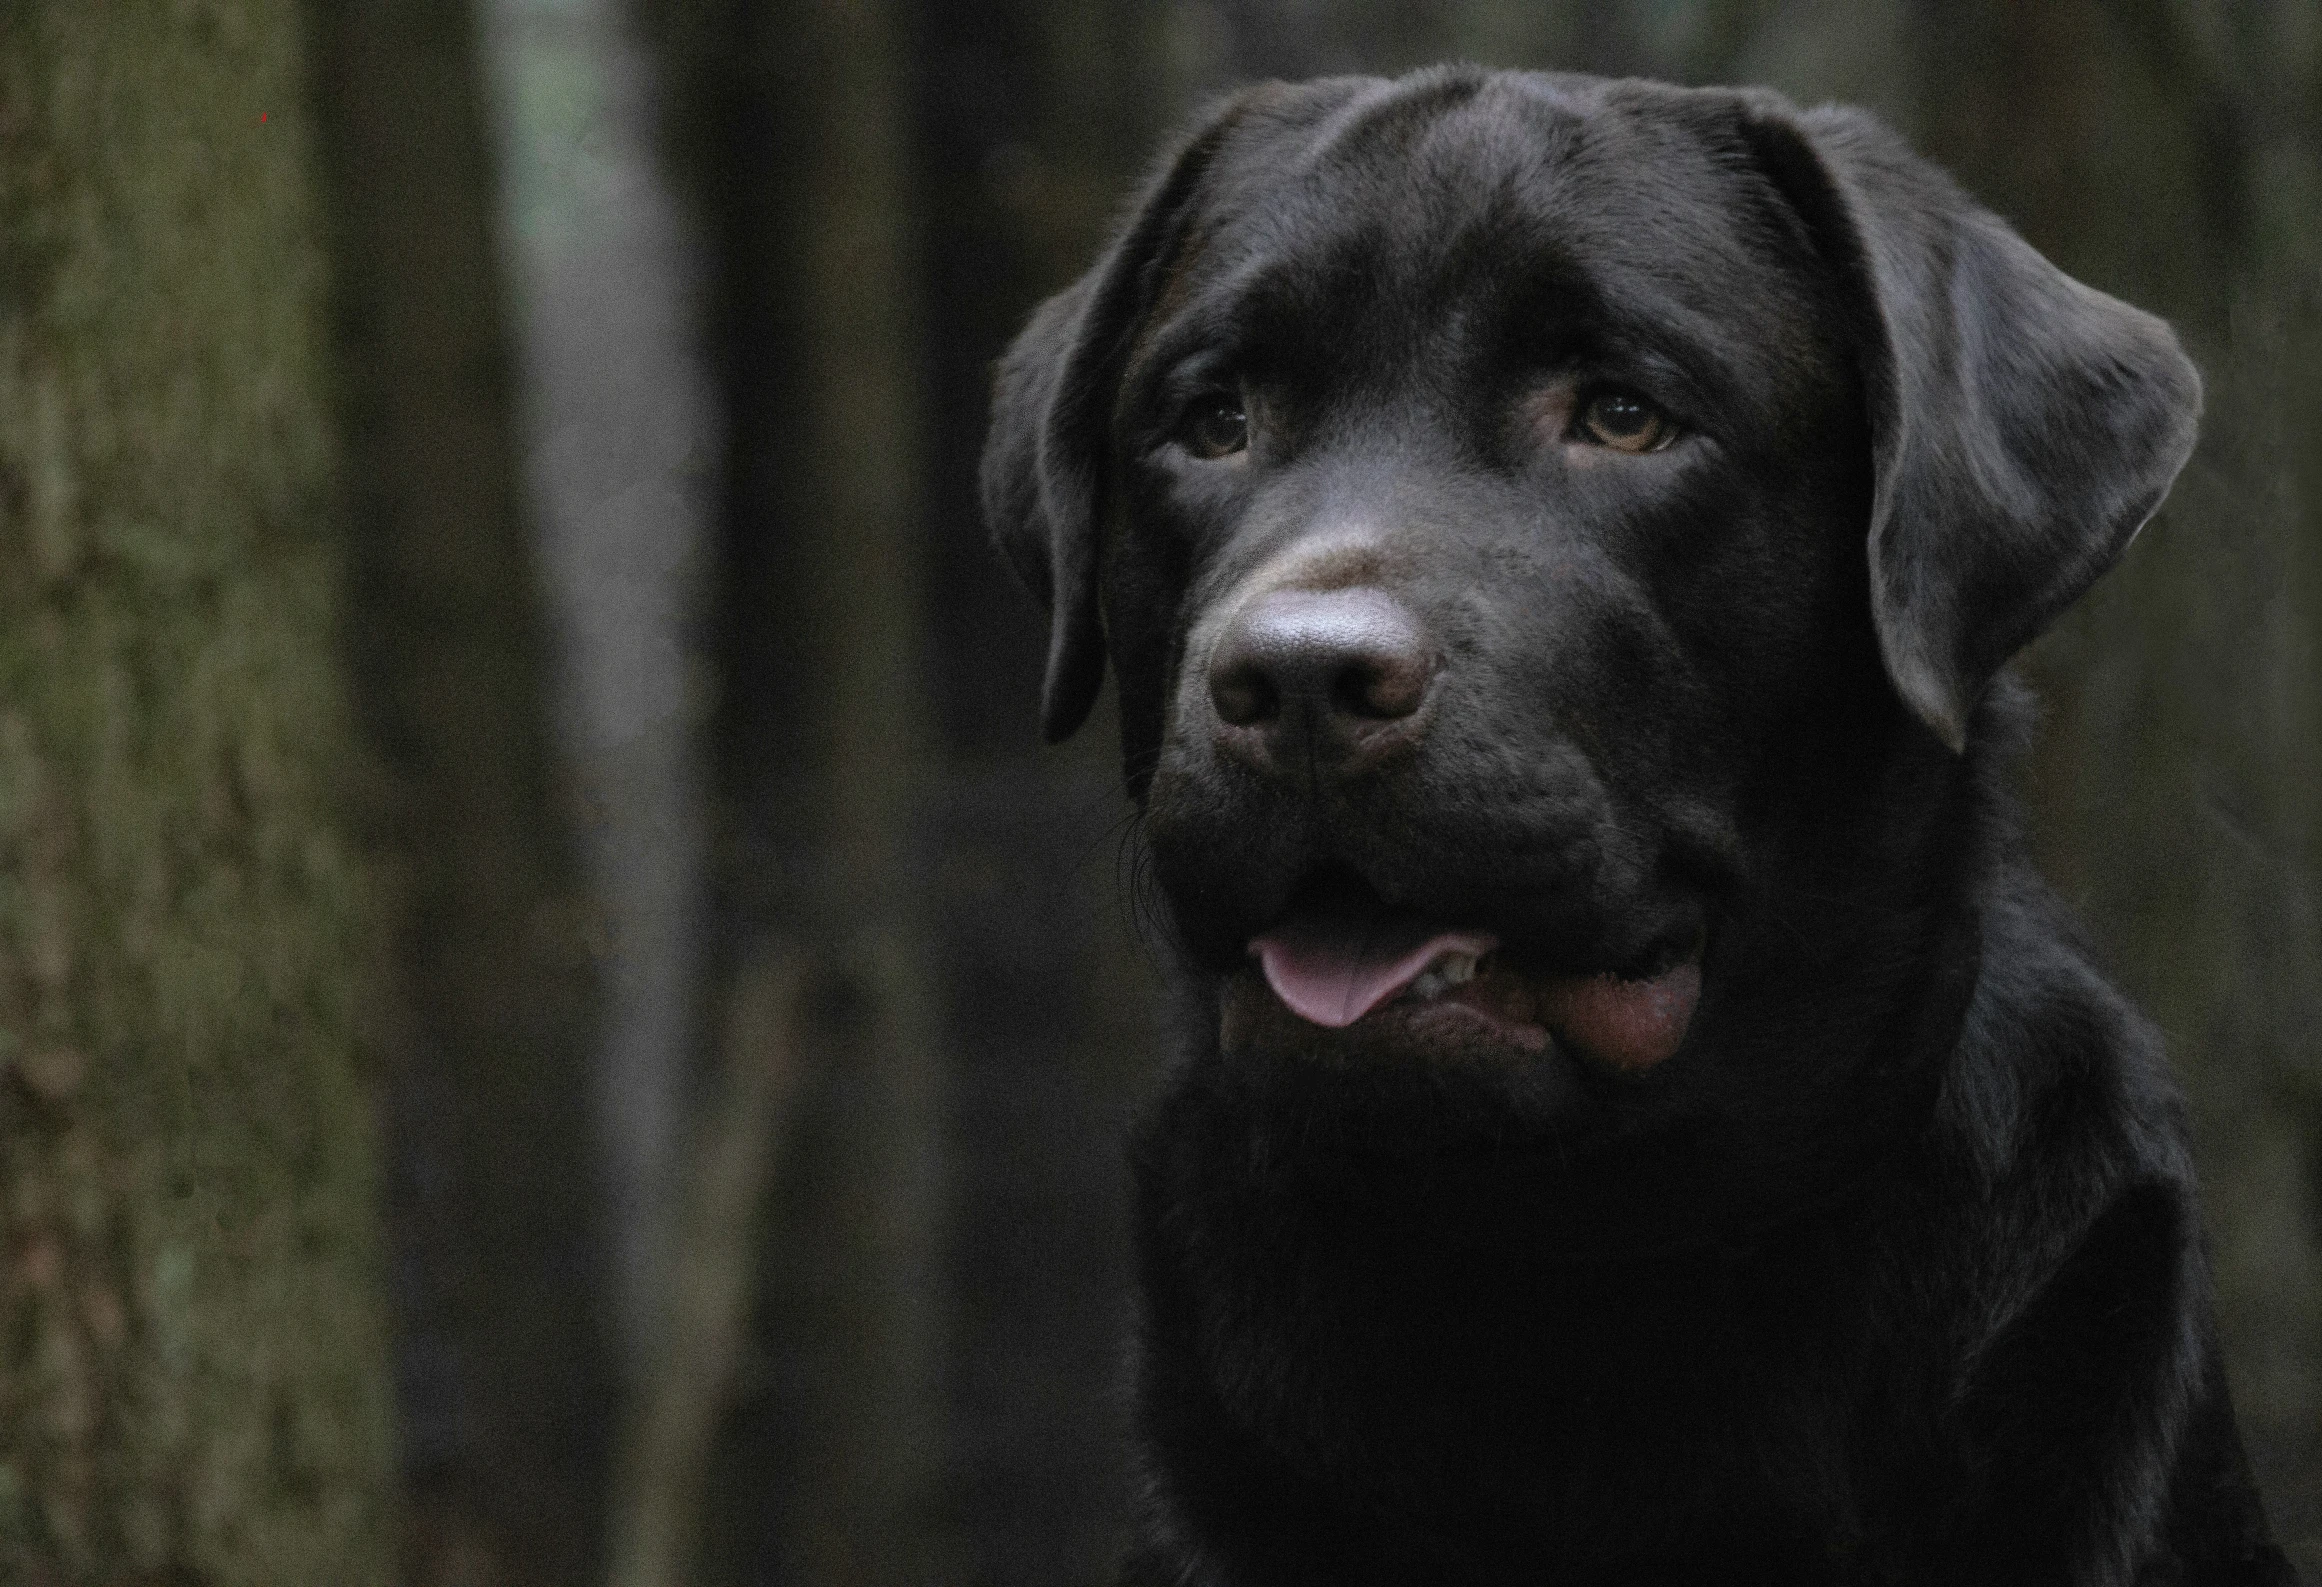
(1639, 1119)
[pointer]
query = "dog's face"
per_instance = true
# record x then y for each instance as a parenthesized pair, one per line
(1512, 505)
(1476, 530)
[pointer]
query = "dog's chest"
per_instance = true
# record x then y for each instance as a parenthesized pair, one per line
(1470, 1415)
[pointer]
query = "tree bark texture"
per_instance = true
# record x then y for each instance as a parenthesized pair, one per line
(193, 1373)
(501, 1297)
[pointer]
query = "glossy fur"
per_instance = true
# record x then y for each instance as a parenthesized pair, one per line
(1893, 1273)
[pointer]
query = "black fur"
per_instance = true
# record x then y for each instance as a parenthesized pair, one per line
(1893, 1272)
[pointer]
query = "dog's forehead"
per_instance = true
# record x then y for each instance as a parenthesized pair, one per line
(1333, 198)
(1435, 162)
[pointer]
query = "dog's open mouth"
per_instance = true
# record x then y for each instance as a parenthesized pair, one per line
(1342, 965)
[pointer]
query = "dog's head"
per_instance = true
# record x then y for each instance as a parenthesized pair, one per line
(1524, 513)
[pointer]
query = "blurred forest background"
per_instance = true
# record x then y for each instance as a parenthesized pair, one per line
(556, 1024)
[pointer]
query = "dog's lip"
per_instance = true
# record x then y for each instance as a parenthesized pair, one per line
(1630, 1019)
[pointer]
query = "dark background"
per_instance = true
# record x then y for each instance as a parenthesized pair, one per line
(880, 193)
(557, 1024)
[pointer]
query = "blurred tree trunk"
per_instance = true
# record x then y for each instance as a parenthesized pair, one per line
(500, 1265)
(1033, 119)
(2176, 787)
(790, 124)
(824, 568)
(193, 1373)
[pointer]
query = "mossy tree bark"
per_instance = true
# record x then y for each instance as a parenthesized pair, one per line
(193, 1378)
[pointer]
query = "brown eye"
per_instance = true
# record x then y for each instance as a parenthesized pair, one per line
(1215, 425)
(1626, 423)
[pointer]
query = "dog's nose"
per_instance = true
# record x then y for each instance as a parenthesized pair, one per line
(1338, 668)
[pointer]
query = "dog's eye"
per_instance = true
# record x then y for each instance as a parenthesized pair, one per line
(1215, 425)
(1626, 423)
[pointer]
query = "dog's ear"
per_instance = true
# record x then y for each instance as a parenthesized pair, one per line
(1045, 459)
(2024, 426)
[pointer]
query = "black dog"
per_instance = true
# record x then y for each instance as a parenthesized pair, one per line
(1640, 1119)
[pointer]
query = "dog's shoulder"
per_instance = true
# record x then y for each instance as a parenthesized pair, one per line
(2057, 1079)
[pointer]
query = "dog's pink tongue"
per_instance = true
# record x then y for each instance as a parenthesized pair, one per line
(1334, 970)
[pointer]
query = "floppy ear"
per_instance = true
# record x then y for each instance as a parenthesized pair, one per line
(2024, 426)
(1045, 458)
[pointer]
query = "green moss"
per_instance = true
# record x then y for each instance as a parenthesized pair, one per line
(192, 1371)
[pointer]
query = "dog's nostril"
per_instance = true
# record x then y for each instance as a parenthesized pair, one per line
(1244, 696)
(1381, 687)
(1354, 655)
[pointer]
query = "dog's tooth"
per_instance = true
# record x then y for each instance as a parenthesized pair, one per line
(1453, 969)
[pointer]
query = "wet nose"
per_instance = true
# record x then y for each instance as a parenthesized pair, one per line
(1327, 670)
